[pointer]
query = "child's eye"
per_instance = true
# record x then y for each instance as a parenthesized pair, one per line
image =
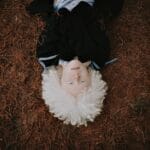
(82, 81)
(70, 82)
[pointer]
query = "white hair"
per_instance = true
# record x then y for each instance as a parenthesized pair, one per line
(69, 109)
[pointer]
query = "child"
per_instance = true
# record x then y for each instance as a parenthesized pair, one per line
(75, 43)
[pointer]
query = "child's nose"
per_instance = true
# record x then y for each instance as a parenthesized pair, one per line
(77, 76)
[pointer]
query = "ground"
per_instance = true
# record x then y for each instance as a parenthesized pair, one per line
(25, 122)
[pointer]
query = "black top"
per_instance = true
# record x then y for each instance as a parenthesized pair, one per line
(76, 33)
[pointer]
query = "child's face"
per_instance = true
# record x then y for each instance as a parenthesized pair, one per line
(75, 77)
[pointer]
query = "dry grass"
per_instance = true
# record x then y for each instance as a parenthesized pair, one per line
(25, 122)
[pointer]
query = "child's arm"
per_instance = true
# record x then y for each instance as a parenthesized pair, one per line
(40, 6)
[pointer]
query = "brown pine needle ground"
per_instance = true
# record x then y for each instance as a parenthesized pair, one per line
(25, 122)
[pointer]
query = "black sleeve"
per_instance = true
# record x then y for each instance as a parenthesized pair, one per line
(47, 50)
(48, 61)
(108, 8)
(47, 53)
(40, 6)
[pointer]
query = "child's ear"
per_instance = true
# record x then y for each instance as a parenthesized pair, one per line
(63, 66)
(62, 63)
(86, 64)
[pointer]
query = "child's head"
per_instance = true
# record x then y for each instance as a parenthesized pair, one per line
(75, 77)
(78, 102)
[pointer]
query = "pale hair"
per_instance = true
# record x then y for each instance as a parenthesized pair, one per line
(73, 110)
